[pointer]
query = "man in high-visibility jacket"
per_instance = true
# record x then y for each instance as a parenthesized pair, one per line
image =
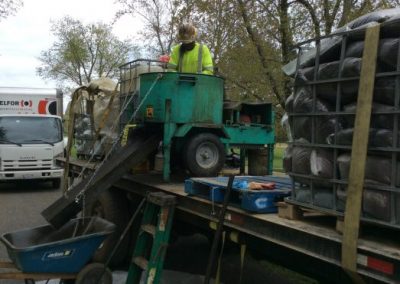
(190, 56)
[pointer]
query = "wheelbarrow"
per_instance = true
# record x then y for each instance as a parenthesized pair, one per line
(44, 253)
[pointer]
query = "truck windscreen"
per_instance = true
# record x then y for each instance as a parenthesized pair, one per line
(30, 130)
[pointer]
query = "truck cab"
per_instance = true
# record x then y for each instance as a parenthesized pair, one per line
(31, 134)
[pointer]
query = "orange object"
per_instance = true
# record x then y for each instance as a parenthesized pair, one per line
(261, 186)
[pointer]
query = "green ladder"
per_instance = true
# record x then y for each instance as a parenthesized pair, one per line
(152, 240)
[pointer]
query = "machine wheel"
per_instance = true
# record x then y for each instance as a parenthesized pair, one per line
(91, 274)
(112, 206)
(56, 183)
(204, 155)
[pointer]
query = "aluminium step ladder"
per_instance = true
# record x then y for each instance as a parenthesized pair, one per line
(152, 241)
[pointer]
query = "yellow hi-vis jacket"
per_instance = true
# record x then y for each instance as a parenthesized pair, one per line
(197, 60)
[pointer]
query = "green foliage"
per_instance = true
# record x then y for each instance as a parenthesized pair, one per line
(279, 151)
(82, 53)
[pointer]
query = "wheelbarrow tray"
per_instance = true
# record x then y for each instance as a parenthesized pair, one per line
(45, 249)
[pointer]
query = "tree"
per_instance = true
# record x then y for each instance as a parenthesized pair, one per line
(161, 18)
(9, 7)
(82, 53)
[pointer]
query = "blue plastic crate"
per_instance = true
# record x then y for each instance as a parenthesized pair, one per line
(214, 193)
(66, 250)
(259, 201)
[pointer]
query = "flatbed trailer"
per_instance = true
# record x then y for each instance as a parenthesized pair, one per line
(311, 245)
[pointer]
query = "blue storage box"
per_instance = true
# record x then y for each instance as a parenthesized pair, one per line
(259, 201)
(264, 201)
(66, 250)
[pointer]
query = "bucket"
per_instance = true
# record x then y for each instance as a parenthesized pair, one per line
(159, 162)
(257, 162)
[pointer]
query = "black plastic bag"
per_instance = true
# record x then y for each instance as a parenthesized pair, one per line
(377, 16)
(303, 126)
(329, 51)
(375, 203)
(300, 156)
(303, 102)
(384, 121)
(323, 127)
(384, 90)
(391, 27)
(351, 68)
(328, 91)
(330, 47)
(377, 137)
(377, 169)
(287, 159)
(321, 163)
(387, 52)
(296, 159)
(324, 198)
(289, 103)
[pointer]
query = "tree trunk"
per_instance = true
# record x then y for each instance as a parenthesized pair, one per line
(255, 39)
(287, 45)
(346, 12)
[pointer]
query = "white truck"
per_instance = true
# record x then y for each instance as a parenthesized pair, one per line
(31, 134)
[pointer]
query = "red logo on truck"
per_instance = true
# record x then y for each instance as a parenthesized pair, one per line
(25, 103)
(47, 107)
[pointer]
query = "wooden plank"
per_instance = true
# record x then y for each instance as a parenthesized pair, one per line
(359, 152)
(127, 157)
(289, 211)
(7, 264)
(35, 276)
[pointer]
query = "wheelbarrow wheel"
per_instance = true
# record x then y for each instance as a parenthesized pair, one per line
(204, 155)
(94, 273)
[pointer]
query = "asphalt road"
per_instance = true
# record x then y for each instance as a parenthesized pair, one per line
(20, 207)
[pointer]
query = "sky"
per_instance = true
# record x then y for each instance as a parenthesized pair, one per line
(24, 35)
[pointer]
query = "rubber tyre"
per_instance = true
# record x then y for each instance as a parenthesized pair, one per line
(55, 183)
(204, 155)
(111, 205)
(90, 274)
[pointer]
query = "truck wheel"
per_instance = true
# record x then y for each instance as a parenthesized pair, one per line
(204, 155)
(56, 183)
(112, 206)
(94, 273)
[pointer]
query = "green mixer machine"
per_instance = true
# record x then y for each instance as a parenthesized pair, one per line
(198, 126)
